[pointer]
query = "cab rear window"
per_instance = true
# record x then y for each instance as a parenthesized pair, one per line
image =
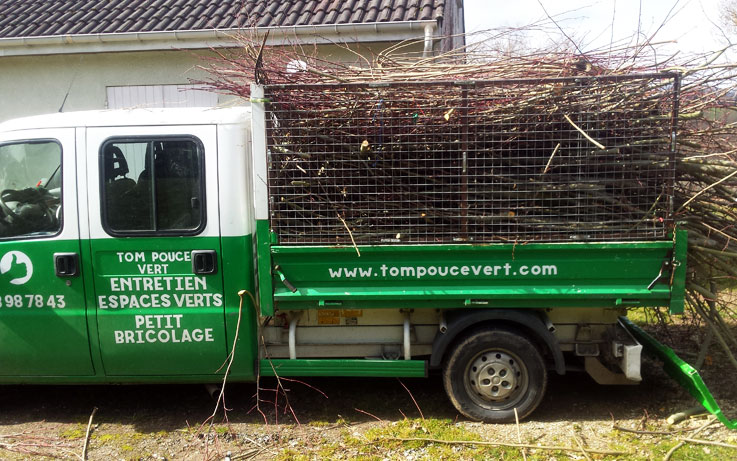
(30, 189)
(152, 186)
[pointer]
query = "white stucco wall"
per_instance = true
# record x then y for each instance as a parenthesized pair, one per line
(31, 85)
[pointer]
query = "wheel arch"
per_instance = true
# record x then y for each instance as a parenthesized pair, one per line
(532, 322)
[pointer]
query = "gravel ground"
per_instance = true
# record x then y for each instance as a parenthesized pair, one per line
(346, 418)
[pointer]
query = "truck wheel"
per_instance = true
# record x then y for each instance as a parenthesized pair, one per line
(491, 372)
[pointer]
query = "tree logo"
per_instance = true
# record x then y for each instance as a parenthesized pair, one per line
(14, 259)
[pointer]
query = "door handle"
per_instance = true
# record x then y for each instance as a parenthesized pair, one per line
(66, 264)
(204, 262)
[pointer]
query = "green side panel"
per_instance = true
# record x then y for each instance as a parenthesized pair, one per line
(680, 254)
(263, 253)
(43, 318)
(348, 367)
(238, 261)
(499, 276)
(155, 316)
(681, 371)
(136, 313)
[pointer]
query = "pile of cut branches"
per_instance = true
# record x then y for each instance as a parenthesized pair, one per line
(579, 158)
(334, 141)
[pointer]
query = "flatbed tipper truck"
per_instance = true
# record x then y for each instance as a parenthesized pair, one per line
(492, 242)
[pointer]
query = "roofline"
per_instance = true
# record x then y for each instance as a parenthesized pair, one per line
(212, 38)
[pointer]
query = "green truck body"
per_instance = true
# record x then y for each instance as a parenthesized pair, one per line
(127, 236)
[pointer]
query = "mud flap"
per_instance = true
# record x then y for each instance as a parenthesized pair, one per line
(680, 371)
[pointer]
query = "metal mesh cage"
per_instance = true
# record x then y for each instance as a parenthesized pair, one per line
(554, 160)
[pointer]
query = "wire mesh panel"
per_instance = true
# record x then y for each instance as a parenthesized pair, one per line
(570, 159)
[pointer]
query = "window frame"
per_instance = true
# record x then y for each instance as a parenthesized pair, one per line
(152, 233)
(61, 196)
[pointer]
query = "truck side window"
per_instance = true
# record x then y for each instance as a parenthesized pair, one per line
(152, 186)
(30, 189)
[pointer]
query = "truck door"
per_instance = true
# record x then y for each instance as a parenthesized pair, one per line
(155, 245)
(43, 326)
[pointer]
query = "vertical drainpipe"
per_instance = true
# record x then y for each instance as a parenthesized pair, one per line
(429, 29)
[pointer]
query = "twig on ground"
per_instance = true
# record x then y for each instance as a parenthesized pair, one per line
(580, 445)
(248, 454)
(635, 431)
(644, 432)
(708, 423)
(519, 435)
(29, 444)
(87, 434)
(685, 414)
(709, 442)
(501, 444)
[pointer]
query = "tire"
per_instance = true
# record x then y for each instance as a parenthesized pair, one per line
(491, 372)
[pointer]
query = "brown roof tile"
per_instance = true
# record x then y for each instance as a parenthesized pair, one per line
(29, 18)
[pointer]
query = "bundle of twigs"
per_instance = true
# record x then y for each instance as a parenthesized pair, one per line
(253, 61)
(309, 155)
(706, 195)
(437, 162)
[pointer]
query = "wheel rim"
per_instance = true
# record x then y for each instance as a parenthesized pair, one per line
(496, 379)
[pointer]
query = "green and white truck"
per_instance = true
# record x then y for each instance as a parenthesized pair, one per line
(414, 236)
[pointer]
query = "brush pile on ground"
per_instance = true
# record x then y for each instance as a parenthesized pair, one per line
(489, 146)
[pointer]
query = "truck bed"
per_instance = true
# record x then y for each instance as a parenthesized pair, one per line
(500, 194)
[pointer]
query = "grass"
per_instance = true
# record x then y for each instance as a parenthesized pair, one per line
(647, 448)
(379, 443)
(76, 432)
(430, 428)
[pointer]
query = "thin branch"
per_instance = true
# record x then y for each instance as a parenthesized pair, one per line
(519, 435)
(708, 423)
(369, 414)
(221, 396)
(706, 189)
(580, 445)
(547, 165)
(709, 442)
(593, 141)
(87, 434)
(413, 399)
(559, 27)
(501, 444)
(350, 234)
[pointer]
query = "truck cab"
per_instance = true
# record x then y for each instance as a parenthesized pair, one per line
(121, 256)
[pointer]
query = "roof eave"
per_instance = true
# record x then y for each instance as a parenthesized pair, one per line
(212, 38)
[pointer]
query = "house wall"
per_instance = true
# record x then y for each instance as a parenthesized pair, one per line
(32, 85)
